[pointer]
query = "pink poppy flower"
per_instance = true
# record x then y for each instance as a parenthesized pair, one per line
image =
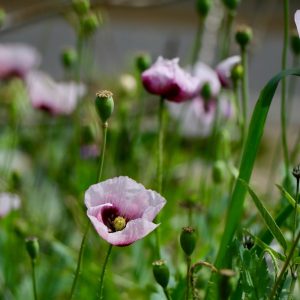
(167, 79)
(8, 202)
(224, 68)
(17, 60)
(122, 210)
(54, 97)
(297, 20)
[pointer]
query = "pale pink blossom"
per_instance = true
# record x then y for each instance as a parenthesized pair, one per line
(125, 198)
(297, 20)
(8, 203)
(167, 79)
(224, 68)
(54, 97)
(17, 60)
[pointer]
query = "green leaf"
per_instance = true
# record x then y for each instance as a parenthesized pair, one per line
(288, 196)
(255, 132)
(297, 260)
(269, 221)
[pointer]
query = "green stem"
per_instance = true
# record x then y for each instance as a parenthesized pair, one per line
(188, 277)
(284, 268)
(296, 210)
(166, 292)
(103, 271)
(198, 42)
(82, 245)
(245, 92)
(227, 33)
(33, 279)
(283, 87)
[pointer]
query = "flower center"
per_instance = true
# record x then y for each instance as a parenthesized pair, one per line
(112, 219)
(119, 223)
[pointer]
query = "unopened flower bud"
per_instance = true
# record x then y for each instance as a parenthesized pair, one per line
(32, 247)
(218, 171)
(296, 172)
(104, 105)
(243, 36)
(90, 23)
(188, 240)
(203, 7)
(206, 91)
(69, 57)
(81, 6)
(161, 273)
(237, 72)
(143, 62)
(248, 242)
(295, 43)
(231, 4)
(2, 16)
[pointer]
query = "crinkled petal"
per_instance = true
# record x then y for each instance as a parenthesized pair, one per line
(297, 20)
(134, 230)
(130, 197)
(224, 68)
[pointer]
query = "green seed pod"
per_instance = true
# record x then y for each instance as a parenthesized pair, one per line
(203, 7)
(104, 105)
(188, 240)
(161, 273)
(218, 171)
(237, 72)
(243, 36)
(90, 23)
(295, 43)
(69, 57)
(143, 62)
(231, 4)
(2, 16)
(81, 7)
(206, 91)
(32, 247)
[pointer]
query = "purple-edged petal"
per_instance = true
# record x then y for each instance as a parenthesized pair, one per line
(17, 60)
(297, 20)
(224, 68)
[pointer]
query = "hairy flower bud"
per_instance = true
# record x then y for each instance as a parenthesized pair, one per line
(81, 6)
(243, 35)
(203, 7)
(69, 57)
(296, 172)
(90, 23)
(188, 240)
(161, 273)
(104, 105)
(32, 247)
(231, 4)
(295, 43)
(143, 62)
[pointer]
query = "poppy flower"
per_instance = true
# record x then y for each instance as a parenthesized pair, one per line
(56, 98)
(122, 210)
(167, 79)
(8, 202)
(17, 60)
(224, 68)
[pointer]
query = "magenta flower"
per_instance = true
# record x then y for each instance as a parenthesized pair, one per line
(297, 20)
(17, 60)
(167, 79)
(122, 210)
(53, 97)
(224, 68)
(8, 202)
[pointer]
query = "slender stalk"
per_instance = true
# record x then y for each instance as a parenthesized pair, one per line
(296, 210)
(82, 245)
(166, 292)
(198, 42)
(283, 87)
(227, 33)
(188, 277)
(33, 279)
(245, 92)
(284, 268)
(103, 271)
